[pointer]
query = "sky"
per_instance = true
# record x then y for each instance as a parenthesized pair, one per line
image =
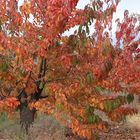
(132, 5)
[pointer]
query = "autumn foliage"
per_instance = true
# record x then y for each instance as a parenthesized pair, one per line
(70, 77)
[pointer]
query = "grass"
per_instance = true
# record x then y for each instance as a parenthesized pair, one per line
(44, 125)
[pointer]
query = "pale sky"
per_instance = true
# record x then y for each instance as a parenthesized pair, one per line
(132, 5)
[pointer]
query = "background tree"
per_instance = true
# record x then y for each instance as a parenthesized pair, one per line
(67, 77)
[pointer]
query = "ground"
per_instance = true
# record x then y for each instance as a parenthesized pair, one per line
(47, 128)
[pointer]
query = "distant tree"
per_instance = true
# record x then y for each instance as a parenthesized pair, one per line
(69, 77)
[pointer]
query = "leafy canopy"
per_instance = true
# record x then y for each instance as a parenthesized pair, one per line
(78, 74)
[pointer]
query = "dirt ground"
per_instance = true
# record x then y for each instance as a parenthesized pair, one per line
(47, 128)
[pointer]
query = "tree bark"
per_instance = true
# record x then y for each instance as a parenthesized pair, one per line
(26, 117)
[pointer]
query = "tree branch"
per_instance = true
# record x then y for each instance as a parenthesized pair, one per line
(43, 97)
(22, 91)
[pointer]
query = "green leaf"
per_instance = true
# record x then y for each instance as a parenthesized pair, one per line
(97, 118)
(92, 119)
(89, 21)
(116, 103)
(89, 109)
(108, 105)
(87, 29)
(84, 34)
(4, 67)
(57, 44)
(80, 29)
(59, 107)
(98, 88)
(81, 82)
(89, 78)
(129, 98)
(74, 61)
(41, 86)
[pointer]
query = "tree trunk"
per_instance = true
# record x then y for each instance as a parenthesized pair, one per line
(26, 117)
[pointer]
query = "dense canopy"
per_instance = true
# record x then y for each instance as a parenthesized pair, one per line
(70, 77)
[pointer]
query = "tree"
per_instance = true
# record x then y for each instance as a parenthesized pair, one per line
(67, 77)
